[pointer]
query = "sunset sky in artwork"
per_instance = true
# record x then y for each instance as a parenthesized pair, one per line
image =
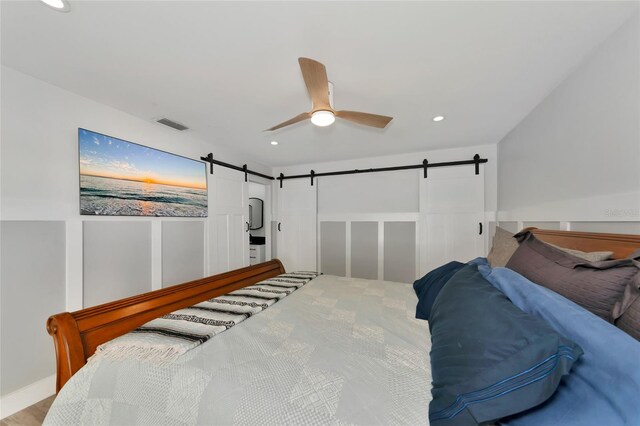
(104, 156)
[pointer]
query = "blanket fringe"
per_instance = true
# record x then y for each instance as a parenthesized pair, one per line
(159, 355)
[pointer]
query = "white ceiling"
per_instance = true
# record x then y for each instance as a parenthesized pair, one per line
(229, 70)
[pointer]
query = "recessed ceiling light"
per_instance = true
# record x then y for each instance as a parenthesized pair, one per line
(59, 5)
(274, 142)
(438, 118)
(323, 118)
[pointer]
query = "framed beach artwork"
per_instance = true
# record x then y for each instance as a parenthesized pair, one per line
(120, 178)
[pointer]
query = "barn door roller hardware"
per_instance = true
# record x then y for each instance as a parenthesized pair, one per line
(424, 165)
(209, 159)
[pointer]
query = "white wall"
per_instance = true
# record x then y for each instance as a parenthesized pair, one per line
(40, 182)
(40, 144)
(576, 157)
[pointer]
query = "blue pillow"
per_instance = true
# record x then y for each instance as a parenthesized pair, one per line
(428, 287)
(490, 359)
(604, 386)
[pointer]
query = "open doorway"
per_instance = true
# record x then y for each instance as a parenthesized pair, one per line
(259, 222)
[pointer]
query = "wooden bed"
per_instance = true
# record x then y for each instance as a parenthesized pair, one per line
(77, 334)
(622, 245)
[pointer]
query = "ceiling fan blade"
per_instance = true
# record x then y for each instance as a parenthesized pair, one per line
(315, 77)
(294, 120)
(373, 120)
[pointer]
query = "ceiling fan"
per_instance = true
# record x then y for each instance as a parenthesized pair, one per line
(322, 112)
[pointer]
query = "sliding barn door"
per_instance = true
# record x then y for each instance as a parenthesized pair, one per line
(229, 208)
(451, 216)
(297, 225)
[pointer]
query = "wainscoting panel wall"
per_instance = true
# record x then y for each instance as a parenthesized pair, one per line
(333, 248)
(117, 260)
(364, 250)
(400, 251)
(378, 246)
(33, 288)
(512, 227)
(543, 225)
(182, 251)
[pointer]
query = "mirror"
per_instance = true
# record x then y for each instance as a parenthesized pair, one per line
(256, 207)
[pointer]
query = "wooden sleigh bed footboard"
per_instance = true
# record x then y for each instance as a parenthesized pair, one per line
(76, 335)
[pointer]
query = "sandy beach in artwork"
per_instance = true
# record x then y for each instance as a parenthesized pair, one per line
(116, 197)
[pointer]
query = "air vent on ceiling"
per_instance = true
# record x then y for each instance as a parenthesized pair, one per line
(172, 124)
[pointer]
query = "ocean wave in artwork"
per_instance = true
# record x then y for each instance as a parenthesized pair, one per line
(119, 197)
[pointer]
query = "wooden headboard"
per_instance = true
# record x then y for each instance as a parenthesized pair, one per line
(76, 335)
(622, 245)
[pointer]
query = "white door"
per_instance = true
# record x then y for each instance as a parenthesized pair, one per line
(451, 216)
(297, 225)
(229, 219)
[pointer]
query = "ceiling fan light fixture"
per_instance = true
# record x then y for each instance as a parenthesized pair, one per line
(59, 5)
(323, 118)
(322, 112)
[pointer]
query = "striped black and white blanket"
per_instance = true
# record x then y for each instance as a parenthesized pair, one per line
(166, 338)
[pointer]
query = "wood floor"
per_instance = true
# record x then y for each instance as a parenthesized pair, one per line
(30, 416)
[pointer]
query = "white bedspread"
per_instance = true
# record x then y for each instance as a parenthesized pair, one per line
(337, 351)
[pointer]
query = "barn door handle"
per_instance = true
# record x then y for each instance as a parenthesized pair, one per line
(480, 223)
(279, 223)
(247, 230)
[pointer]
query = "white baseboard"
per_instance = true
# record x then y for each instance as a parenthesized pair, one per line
(28, 395)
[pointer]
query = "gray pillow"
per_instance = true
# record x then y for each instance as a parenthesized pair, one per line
(596, 286)
(592, 256)
(503, 247)
(629, 322)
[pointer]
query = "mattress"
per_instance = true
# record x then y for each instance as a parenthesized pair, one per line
(339, 350)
